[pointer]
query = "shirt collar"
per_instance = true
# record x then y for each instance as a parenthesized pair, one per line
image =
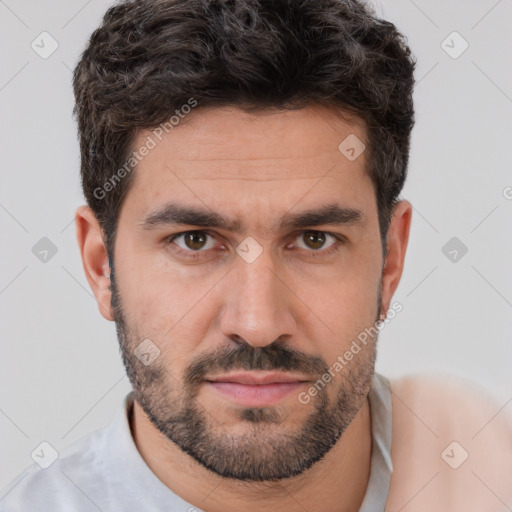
(381, 464)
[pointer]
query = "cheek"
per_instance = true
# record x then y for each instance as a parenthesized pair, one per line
(343, 307)
(339, 318)
(348, 290)
(165, 306)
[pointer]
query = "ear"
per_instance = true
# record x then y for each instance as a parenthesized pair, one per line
(397, 240)
(94, 258)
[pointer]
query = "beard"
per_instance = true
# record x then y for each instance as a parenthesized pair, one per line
(268, 449)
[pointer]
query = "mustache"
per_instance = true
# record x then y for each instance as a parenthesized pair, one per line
(275, 356)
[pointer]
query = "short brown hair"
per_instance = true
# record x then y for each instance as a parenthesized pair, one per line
(148, 58)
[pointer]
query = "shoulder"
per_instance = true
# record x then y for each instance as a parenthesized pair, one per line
(451, 446)
(62, 486)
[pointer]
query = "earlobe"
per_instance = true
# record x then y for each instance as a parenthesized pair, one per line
(397, 241)
(94, 258)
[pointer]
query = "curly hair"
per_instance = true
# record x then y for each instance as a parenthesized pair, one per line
(148, 58)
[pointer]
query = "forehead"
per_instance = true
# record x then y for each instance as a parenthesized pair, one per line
(228, 133)
(225, 156)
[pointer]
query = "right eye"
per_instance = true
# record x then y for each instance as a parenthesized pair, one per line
(190, 244)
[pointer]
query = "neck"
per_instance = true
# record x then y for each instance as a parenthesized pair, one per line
(337, 483)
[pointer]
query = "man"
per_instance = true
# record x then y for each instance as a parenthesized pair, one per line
(242, 163)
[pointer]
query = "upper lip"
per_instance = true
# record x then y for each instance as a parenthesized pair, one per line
(257, 378)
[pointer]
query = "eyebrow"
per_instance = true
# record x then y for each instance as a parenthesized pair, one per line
(330, 214)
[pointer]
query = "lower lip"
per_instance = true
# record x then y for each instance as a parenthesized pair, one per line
(256, 395)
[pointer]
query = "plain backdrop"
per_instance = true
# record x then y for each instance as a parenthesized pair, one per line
(60, 371)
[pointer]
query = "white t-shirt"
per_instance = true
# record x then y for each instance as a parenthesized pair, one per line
(105, 472)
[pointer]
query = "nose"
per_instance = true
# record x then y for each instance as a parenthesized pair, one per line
(258, 305)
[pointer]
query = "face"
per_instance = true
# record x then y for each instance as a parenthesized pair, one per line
(248, 257)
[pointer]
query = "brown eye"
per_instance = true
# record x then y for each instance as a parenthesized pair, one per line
(316, 243)
(314, 239)
(193, 241)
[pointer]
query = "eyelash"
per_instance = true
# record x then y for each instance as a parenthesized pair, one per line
(195, 255)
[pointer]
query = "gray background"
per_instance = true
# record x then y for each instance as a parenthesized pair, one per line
(60, 371)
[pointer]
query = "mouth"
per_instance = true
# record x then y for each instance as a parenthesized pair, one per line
(256, 389)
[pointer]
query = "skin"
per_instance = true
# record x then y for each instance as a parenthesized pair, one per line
(254, 168)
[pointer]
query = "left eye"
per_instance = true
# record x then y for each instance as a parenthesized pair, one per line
(316, 239)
